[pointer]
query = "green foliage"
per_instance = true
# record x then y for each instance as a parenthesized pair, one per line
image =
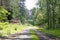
(15, 9)
(30, 22)
(3, 13)
(39, 16)
(39, 13)
(7, 28)
(47, 12)
(39, 19)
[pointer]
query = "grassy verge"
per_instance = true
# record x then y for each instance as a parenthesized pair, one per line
(8, 29)
(52, 32)
(33, 35)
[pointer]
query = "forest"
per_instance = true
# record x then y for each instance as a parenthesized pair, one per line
(41, 22)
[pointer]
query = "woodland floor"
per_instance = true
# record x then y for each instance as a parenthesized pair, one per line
(26, 35)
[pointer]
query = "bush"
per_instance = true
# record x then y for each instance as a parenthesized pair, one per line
(7, 28)
(3, 14)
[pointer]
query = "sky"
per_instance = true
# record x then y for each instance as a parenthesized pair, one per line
(30, 4)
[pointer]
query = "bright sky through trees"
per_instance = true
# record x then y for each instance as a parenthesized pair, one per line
(30, 4)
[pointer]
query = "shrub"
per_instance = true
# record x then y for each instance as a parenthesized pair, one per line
(3, 14)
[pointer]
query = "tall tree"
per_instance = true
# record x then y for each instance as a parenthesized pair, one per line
(22, 11)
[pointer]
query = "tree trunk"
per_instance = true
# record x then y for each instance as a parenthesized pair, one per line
(48, 14)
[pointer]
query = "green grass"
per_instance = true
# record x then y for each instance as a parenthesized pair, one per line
(33, 35)
(53, 32)
(8, 29)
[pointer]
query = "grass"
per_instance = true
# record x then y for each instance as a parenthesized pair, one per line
(50, 32)
(33, 35)
(53, 32)
(8, 29)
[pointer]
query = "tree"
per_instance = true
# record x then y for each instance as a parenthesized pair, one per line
(22, 11)
(50, 9)
(15, 9)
